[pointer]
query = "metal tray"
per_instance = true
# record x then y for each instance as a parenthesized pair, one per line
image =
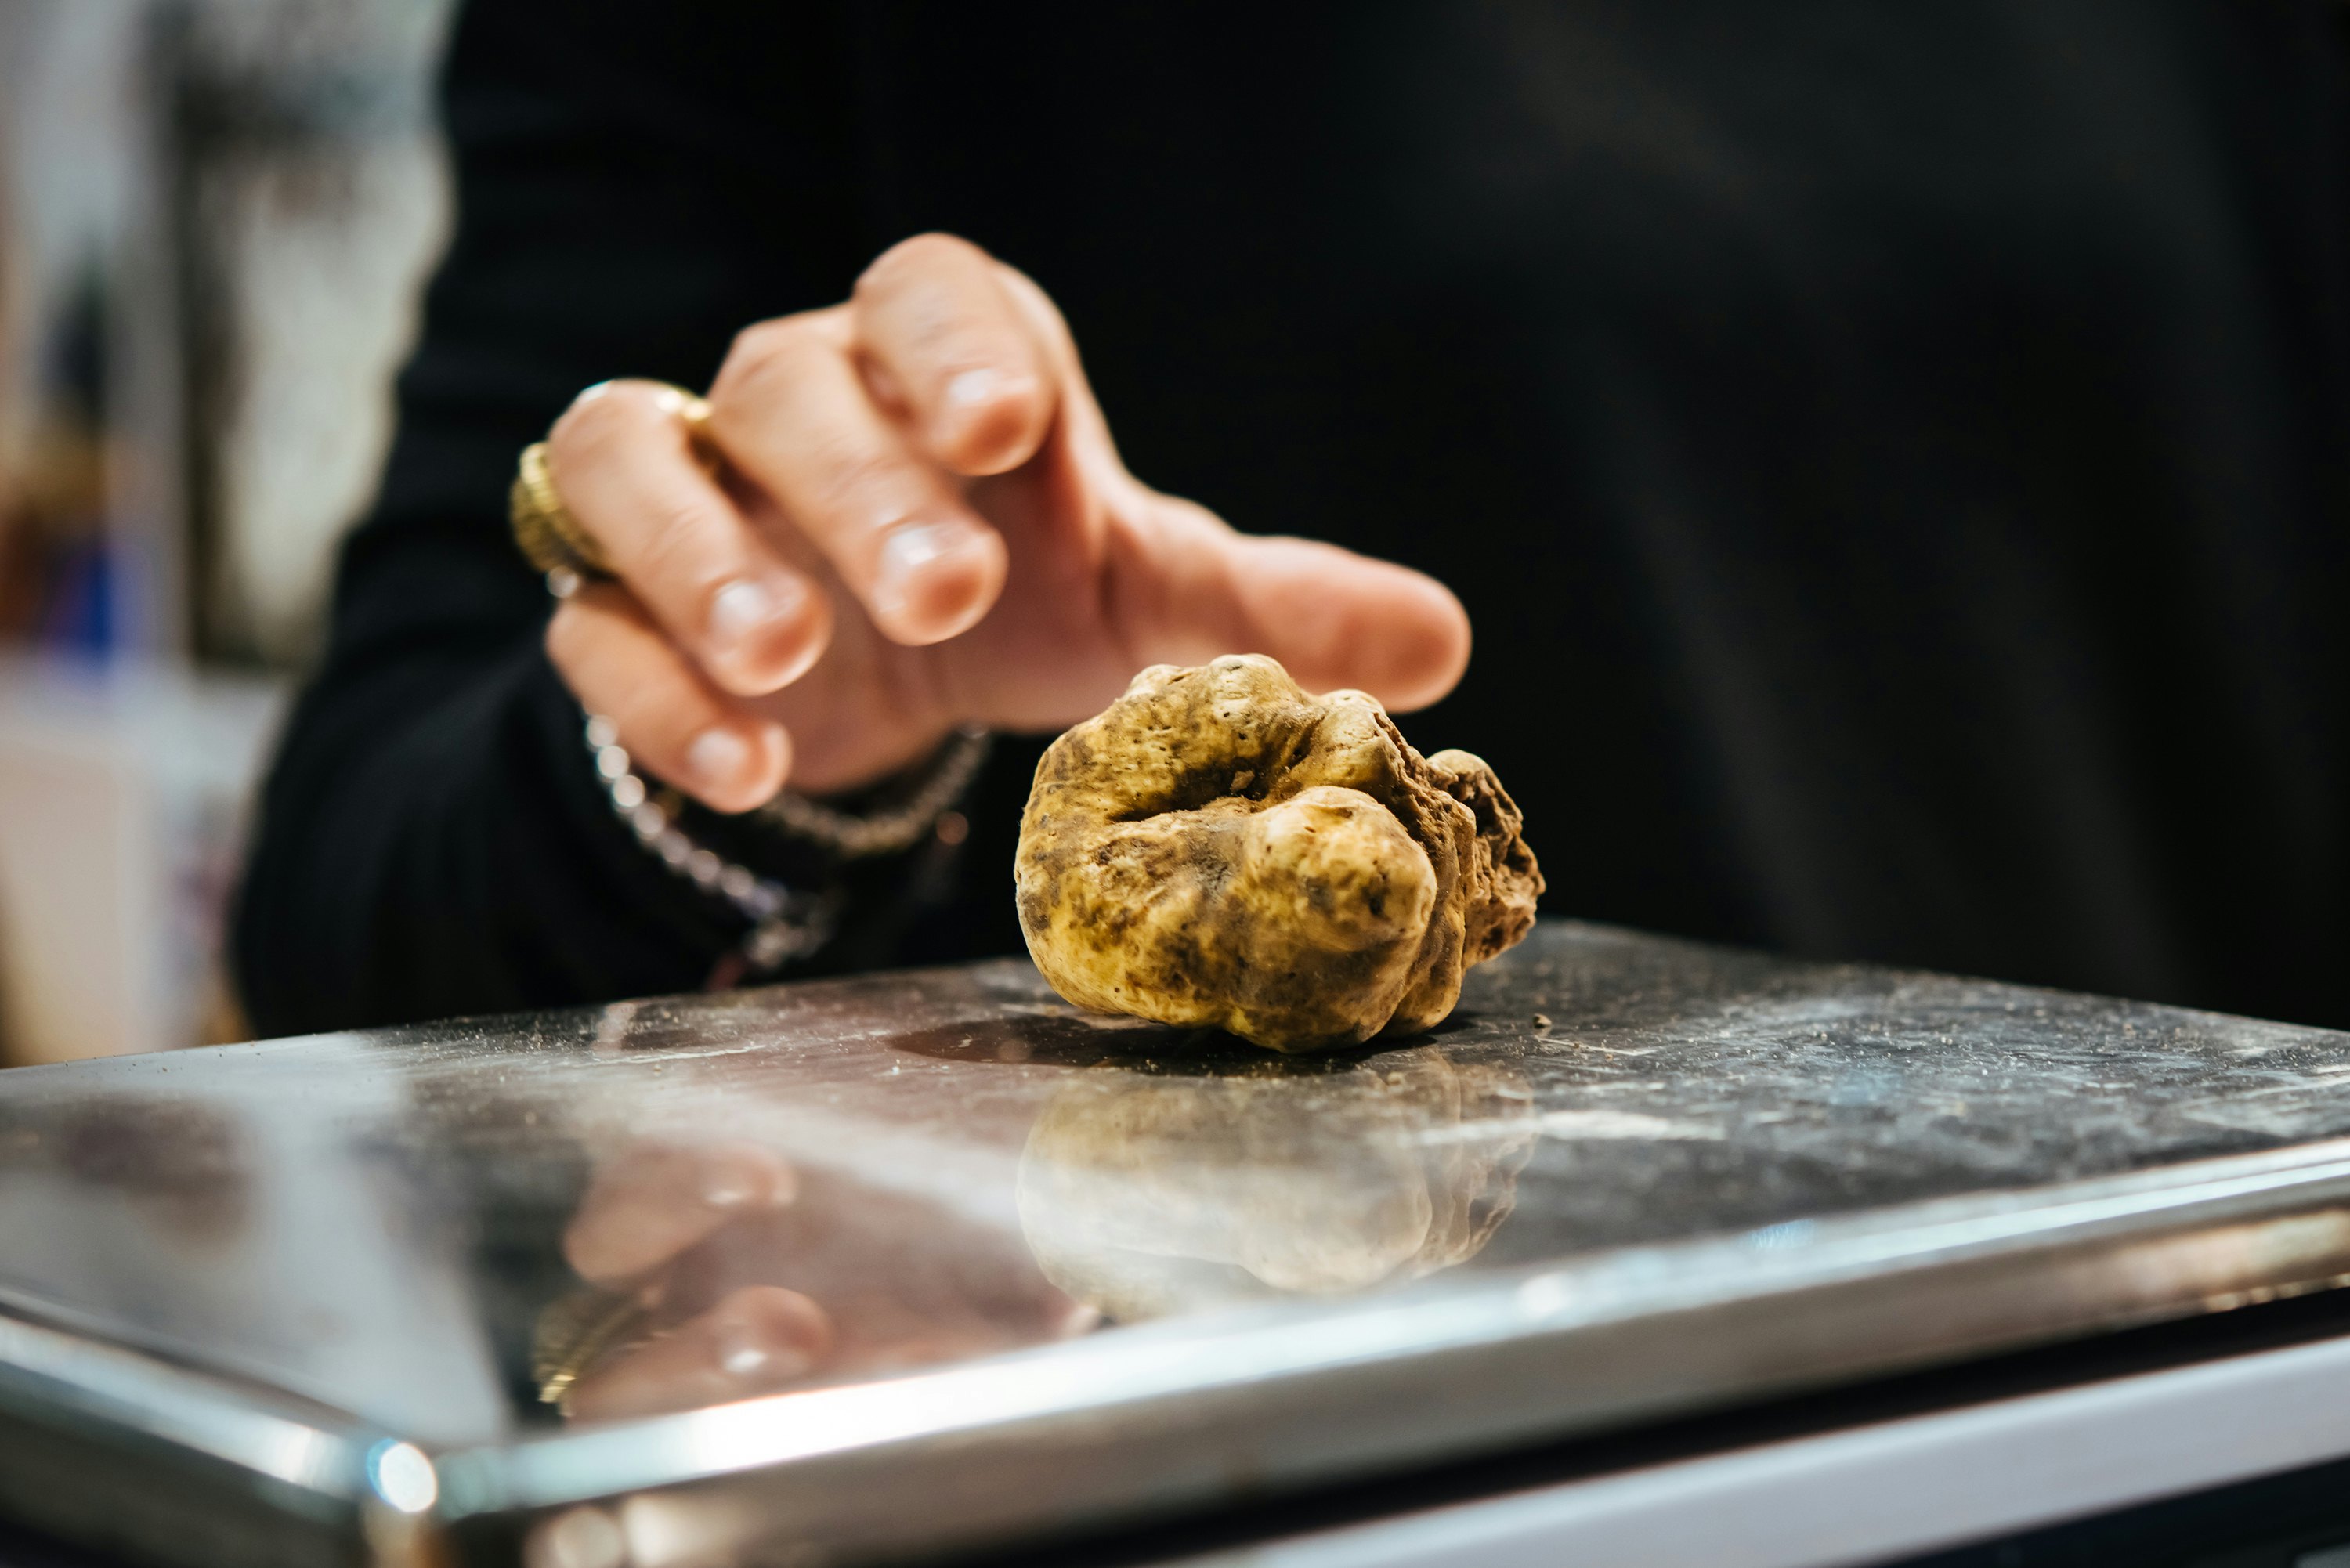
(912, 1262)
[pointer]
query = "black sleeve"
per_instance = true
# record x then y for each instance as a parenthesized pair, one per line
(634, 184)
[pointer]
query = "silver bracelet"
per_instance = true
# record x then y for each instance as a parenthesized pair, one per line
(784, 924)
(899, 827)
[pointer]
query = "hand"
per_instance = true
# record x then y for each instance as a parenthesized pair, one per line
(919, 521)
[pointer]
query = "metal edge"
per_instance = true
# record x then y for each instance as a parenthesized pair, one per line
(1160, 1417)
(1884, 1490)
(108, 1447)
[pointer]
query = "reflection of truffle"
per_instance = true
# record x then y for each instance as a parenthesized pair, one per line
(1219, 848)
(1146, 1195)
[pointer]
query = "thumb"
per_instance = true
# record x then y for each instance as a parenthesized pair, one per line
(1190, 587)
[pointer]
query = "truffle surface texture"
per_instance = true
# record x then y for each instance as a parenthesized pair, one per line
(1219, 850)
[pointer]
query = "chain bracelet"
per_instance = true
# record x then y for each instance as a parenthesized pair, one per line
(854, 836)
(784, 924)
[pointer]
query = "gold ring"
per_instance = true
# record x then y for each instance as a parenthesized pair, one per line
(548, 536)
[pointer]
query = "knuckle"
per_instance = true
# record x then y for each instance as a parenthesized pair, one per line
(760, 341)
(767, 351)
(590, 424)
(1040, 308)
(916, 257)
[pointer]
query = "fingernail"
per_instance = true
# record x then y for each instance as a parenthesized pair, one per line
(979, 416)
(731, 1180)
(740, 1352)
(742, 607)
(745, 1350)
(914, 552)
(717, 756)
(969, 389)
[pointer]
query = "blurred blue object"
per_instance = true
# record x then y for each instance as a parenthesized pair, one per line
(79, 614)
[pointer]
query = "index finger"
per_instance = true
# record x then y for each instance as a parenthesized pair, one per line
(932, 317)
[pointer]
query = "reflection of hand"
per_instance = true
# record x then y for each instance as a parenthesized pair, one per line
(921, 521)
(737, 1275)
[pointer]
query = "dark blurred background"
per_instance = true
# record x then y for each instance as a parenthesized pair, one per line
(214, 216)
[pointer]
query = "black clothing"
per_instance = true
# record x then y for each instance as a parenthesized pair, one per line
(1892, 456)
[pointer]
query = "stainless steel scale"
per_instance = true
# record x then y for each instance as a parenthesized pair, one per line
(462, 1293)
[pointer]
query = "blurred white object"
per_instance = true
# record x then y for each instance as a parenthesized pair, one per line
(325, 294)
(253, 189)
(123, 798)
(320, 203)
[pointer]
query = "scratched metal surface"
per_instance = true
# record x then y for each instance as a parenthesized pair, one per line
(1684, 1088)
(390, 1224)
(376, 1218)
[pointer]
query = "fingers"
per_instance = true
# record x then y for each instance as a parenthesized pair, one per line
(652, 1204)
(791, 410)
(672, 721)
(942, 336)
(1191, 589)
(1336, 618)
(759, 1339)
(627, 473)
